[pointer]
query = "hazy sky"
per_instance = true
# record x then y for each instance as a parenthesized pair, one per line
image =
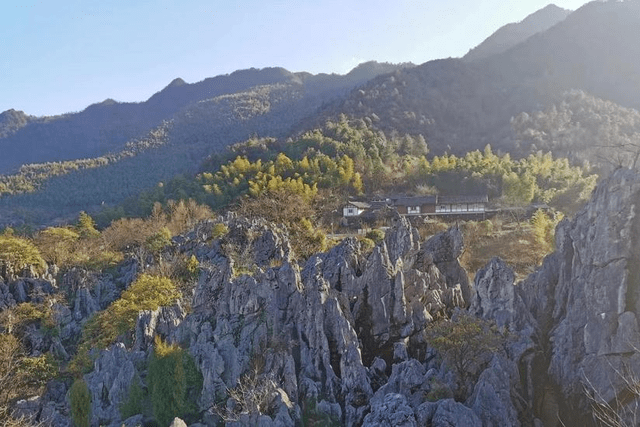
(59, 56)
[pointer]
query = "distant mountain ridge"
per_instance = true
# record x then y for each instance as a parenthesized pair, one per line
(107, 126)
(205, 125)
(11, 121)
(512, 34)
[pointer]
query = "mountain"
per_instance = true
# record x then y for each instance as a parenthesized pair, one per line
(12, 121)
(195, 121)
(461, 105)
(512, 34)
(107, 126)
(457, 104)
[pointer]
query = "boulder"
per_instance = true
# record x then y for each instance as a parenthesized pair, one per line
(451, 413)
(393, 411)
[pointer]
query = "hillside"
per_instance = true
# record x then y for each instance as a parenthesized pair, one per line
(221, 320)
(191, 257)
(40, 193)
(460, 105)
(107, 126)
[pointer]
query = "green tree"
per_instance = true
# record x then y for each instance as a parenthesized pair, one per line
(80, 399)
(134, 403)
(158, 241)
(86, 226)
(174, 383)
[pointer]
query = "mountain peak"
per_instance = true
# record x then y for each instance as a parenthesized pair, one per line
(177, 82)
(11, 121)
(512, 34)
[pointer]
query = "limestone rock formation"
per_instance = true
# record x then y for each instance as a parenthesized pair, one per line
(576, 318)
(342, 336)
(335, 338)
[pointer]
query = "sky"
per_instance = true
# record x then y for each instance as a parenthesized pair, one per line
(59, 56)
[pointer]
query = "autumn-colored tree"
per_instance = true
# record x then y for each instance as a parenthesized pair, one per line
(292, 210)
(57, 244)
(16, 254)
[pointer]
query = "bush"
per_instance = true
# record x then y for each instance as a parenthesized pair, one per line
(146, 293)
(376, 235)
(366, 244)
(80, 403)
(16, 254)
(466, 345)
(219, 230)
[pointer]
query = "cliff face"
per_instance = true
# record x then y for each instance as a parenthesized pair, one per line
(576, 317)
(594, 306)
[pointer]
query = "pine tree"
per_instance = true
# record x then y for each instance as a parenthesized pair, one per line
(80, 398)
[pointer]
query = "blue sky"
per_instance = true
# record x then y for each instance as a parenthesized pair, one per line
(60, 56)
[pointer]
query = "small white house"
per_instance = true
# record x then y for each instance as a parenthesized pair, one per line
(354, 208)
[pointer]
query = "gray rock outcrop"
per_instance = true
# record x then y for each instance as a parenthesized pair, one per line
(109, 382)
(328, 332)
(575, 320)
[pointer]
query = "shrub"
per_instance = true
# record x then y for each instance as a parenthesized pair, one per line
(431, 227)
(376, 235)
(219, 230)
(366, 244)
(251, 395)
(16, 254)
(80, 403)
(146, 293)
(192, 266)
(465, 345)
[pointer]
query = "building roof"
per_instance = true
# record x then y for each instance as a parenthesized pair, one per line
(360, 205)
(463, 199)
(414, 201)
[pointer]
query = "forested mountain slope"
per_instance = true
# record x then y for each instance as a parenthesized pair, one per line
(461, 105)
(38, 193)
(107, 126)
(457, 105)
